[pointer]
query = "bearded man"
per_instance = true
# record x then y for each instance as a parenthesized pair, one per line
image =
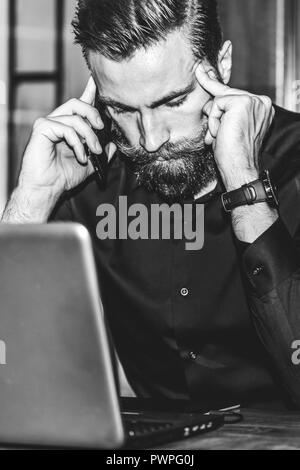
(215, 325)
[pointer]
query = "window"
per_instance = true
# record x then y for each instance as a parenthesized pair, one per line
(3, 100)
(288, 54)
(251, 26)
(35, 69)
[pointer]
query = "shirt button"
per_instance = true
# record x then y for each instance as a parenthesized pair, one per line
(184, 292)
(258, 270)
(192, 356)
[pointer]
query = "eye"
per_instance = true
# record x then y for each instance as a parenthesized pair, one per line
(118, 111)
(121, 111)
(176, 104)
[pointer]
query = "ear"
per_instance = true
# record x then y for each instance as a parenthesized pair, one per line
(225, 62)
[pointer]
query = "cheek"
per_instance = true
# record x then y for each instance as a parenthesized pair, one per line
(129, 126)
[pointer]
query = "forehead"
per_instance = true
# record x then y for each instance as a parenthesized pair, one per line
(150, 73)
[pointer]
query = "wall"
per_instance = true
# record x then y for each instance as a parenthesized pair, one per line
(76, 72)
(3, 101)
(251, 26)
(35, 52)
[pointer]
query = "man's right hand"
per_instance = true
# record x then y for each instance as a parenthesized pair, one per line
(55, 158)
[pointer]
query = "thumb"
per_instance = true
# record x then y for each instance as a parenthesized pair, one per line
(110, 149)
(89, 94)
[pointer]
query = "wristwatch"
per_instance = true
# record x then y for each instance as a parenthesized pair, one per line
(260, 190)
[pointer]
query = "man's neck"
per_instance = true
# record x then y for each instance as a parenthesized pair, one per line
(208, 189)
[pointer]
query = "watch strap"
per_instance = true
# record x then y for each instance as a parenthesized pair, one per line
(257, 191)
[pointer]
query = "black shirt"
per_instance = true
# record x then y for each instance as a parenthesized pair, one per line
(183, 321)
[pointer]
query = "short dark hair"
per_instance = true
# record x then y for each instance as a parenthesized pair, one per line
(117, 28)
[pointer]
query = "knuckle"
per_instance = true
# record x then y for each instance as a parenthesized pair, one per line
(247, 100)
(72, 135)
(72, 101)
(268, 102)
(273, 112)
(39, 122)
(78, 120)
(91, 112)
(95, 111)
(213, 108)
(265, 98)
(71, 131)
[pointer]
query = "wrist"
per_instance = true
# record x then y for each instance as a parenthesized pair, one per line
(235, 178)
(29, 205)
(250, 222)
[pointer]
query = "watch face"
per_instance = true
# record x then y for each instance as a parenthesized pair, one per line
(225, 202)
(270, 191)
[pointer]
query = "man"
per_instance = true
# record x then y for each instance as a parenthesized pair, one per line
(215, 325)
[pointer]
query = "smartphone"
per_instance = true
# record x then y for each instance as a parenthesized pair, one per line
(100, 162)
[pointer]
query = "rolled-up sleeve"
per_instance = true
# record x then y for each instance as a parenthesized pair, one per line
(271, 259)
(271, 268)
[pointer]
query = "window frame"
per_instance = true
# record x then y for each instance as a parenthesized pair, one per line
(288, 54)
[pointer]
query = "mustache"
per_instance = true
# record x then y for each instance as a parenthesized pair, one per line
(185, 148)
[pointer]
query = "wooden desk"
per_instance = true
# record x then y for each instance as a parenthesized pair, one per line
(260, 430)
(269, 430)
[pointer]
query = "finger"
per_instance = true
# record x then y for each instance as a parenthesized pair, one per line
(209, 139)
(207, 107)
(223, 104)
(273, 112)
(214, 120)
(110, 150)
(89, 94)
(212, 132)
(209, 82)
(90, 168)
(219, 107)
(57, 132)
(82, 109)
(83, 129)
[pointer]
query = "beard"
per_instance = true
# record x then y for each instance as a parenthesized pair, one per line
(177, 171)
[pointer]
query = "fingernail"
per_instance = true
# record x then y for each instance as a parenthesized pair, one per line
(110, 150)
(98, 147)
(211, 74)
(84, 157)
(100, 123)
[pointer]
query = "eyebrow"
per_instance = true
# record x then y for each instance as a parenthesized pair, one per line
(171, 96)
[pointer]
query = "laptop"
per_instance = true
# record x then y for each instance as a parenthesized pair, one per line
(58, 382)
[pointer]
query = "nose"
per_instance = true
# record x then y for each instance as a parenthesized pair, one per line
(154, 133)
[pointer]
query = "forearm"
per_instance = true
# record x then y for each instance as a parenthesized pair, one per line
(250, 222)
(29, 205)
(274, 297)
(271, 266)
(277, 325)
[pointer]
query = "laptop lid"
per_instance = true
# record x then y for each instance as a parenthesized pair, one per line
(57, 384)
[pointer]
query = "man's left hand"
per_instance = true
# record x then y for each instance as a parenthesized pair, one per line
(237, 124)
